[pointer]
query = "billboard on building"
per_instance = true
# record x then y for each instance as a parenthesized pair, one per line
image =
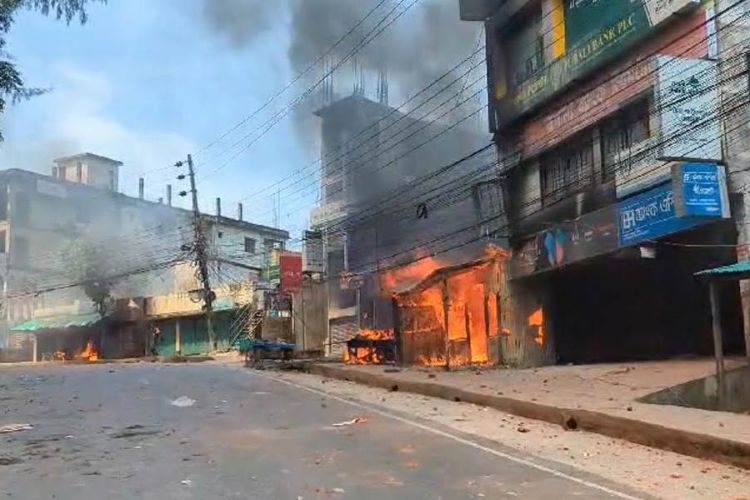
(652, 214)
(687, 96)
(592, 234)
(313, 255)
(700, 190)
(687, 111)
(595, 32)
(290, 264)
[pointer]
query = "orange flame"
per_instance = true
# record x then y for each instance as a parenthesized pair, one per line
(409, 275)
(536, 319)
(459, 313)
(368, 355)
(90, 353)
(431, 360)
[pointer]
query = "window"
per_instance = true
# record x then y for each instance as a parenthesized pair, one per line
(620, 133)
(220, 234)
(2, 241)
(273, 244)
(567, 169)
(249, 245)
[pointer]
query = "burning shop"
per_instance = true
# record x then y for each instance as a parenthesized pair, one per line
(442, 314)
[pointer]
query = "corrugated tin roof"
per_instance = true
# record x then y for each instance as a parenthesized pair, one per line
(738, 268)
(57, 322)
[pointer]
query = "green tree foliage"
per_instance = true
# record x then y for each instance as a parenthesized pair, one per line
(89, 265)
(11, 81)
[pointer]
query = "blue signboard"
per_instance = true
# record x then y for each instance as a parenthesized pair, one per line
(700, 190)
(650, 215)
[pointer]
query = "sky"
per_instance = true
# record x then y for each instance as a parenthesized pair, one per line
(147, 82)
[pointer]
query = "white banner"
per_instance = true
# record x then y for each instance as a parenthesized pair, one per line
(688, 99)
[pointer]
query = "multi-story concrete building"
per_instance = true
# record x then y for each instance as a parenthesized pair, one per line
(53, 229)
(367, 218)
(616, 128)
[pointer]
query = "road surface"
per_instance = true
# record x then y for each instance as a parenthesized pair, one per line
(113, 431)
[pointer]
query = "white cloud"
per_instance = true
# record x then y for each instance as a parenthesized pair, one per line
(73, 118)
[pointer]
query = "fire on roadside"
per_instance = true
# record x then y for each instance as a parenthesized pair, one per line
(366, 348)
(89, 352)
(453, 313)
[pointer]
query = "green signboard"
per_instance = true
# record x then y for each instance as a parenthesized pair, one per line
(596, 31)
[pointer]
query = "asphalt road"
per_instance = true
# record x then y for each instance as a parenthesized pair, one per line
(112, 431)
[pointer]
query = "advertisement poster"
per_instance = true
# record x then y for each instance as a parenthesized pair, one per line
(291, 271)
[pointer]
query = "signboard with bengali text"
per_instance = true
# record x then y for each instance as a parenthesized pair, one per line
(596, 31)
(700, 190)
(650, 215)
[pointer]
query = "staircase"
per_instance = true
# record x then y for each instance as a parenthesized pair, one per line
(246, 324)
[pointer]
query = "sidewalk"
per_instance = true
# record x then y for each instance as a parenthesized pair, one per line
(596, 398)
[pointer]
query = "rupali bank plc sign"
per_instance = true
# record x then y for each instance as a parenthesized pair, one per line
(602, 41)
(595, 32)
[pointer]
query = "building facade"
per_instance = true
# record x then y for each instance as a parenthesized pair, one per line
(380, 171)
(619, 172)
(57, 231)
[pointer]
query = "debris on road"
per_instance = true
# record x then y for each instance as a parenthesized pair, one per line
(15, 428)
(523, 429)
(186, 482)
(356, 420)
(183, 402)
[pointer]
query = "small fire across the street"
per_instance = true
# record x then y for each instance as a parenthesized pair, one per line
(89, 352)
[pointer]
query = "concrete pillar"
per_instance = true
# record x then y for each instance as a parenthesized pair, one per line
(169, 195)
(239, 211)
(733, 40)
(141, 187)
(218, 207)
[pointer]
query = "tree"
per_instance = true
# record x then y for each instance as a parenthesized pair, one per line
(12, 86)
(89, 265)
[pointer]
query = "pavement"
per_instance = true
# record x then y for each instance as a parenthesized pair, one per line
(598, 398)
(213, 430)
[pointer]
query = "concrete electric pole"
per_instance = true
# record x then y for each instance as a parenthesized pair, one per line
(201, 254)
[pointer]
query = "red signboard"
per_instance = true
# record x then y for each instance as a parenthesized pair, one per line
(291, 271)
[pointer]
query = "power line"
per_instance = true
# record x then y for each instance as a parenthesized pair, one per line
(276, 118)
(591, 110)
(296, 79)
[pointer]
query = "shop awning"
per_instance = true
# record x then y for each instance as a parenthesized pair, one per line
(736, 271)
(57, 322)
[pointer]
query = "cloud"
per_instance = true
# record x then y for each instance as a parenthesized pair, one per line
(73, 118)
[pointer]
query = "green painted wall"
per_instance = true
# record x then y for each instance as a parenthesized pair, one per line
(194, 334)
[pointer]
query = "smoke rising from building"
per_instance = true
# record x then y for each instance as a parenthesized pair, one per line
(414, 50)
(239, 20)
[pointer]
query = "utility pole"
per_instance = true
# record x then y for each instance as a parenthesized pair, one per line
(201, 254)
